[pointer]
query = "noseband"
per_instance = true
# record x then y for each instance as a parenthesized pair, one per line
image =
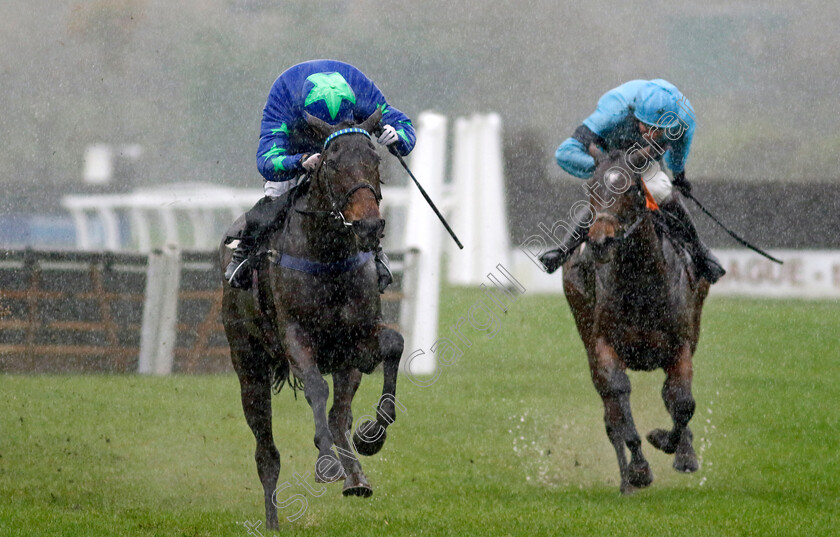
(338, 204)
(627, 231)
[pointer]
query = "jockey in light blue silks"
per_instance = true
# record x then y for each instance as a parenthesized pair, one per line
(334, 92)
(653, 121)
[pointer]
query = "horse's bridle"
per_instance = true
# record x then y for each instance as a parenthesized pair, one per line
(339, 204)
(626, 231)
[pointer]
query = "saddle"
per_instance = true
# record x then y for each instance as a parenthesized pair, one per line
(267, 216)
(257, 225)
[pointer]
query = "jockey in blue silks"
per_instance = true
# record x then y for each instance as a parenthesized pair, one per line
(334, 92)
(652, 121)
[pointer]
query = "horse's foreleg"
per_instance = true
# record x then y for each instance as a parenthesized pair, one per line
(256, 402)
(345, 384)
(251, 362)
(370, 435)
(676, 392)
(613, 385)
(316, 390)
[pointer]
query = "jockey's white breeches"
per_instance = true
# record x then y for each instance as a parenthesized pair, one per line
(275, 189)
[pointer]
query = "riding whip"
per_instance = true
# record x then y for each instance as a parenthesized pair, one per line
(393, 151)
(731, 233)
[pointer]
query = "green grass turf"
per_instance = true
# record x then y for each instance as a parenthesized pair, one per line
(508, 441)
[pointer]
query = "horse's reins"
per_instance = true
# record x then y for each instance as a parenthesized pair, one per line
(731, 233)
(338, 205)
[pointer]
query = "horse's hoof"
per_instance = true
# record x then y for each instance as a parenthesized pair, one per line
(686, 462)
(356, 484)
(661, 440)
(369, 438)
(328, 469)
(639, 475)
(627, 489)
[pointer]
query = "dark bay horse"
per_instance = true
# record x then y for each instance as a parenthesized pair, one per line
(637, 303)
(315, 310)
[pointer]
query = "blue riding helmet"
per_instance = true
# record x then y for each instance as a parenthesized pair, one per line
(652, 102)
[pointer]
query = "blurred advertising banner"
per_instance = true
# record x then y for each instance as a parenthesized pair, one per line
(804, 274)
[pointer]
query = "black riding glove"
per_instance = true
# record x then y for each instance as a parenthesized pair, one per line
(552, 260)
(682, 183)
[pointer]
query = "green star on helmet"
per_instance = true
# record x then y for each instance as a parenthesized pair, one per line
(330, 88)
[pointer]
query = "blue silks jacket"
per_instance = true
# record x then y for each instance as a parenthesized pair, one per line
(330, 90)
(616, 128)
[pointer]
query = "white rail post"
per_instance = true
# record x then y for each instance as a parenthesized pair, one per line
(481, 218)
(423, 232)
(111, 226)
(461, 264)
(82, 228)
(493, 237)
(160, 312)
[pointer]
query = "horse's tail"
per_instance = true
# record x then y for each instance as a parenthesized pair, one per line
(281, 375)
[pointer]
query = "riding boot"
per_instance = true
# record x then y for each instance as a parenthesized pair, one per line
(707, 264)
(268, 214)
(383, 269)
(237, 272)
(554, 259)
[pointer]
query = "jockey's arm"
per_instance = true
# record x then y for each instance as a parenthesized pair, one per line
(575, 155)
(677, 154)
(680, 143)
(274, 160)
(406, 137)
(371, 99)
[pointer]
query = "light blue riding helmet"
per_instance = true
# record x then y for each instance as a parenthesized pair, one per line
(653, 101)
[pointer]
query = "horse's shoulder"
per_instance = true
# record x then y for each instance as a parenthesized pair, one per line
(578, 271)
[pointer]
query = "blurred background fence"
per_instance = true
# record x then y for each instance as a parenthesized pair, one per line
(153, 313)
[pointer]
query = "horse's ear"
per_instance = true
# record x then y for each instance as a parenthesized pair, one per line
(372, 121)
(321, 128)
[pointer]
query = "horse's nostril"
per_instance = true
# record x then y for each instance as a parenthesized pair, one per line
(369, 228)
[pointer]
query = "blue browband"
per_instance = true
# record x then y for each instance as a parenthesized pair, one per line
(338, 133)
(316, 267)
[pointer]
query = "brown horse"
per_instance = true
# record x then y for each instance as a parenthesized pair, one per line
(636, 302)
(316, 310)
